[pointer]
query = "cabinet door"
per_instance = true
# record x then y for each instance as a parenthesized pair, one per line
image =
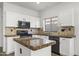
(20, 50)
(10, 45)
(66, 46)
(37, 22)
(23, 17)
(11, 19)
(32, 21)
(66, 18)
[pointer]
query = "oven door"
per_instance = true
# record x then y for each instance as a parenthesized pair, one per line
(23, 33)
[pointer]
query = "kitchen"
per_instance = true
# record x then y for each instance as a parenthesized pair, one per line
(44, 29)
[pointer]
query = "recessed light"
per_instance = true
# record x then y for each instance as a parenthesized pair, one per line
(37, 2)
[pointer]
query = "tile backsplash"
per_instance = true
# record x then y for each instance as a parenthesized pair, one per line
(10, 31)
(67, 30)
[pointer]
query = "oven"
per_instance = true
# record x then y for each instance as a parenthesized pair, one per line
(23, 33)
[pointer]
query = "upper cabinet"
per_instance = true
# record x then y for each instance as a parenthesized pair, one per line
(12, 19)
(22, 17)
(66, 17)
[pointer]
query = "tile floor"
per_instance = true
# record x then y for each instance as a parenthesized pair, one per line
(53, 54)
(12, 54)
(3, 54)
(0, 49)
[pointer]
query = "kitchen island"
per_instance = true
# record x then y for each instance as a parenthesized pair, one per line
(33, 47)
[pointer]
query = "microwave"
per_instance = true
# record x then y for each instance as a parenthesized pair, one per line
(23, 24)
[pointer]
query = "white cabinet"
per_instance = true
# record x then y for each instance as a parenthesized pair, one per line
(11, 19)
(67, 46)
(37, 22)
(10, 44)
(66, 17)
(21, 50)
(34, 22)
(23, 17)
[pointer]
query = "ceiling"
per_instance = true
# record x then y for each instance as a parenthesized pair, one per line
(38, 7)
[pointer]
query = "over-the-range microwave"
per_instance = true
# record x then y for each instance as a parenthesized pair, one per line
(23, 24)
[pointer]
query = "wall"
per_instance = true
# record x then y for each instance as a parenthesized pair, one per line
(55, 11)
(16, 8)
(1, 22)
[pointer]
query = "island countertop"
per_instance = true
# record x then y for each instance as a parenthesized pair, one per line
(34, 43)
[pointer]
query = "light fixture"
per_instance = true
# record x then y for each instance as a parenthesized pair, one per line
(37, 2)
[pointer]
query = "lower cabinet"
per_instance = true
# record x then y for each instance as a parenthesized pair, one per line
(67, 46)
(10, 44)
(21, 50)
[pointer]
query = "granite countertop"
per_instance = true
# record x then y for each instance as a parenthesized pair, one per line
(34, 43)
(64, 36)
(54, 34)
(68, 33)
(58, 34)
(10, 35)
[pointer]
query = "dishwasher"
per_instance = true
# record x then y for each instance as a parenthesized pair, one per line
(55, 48)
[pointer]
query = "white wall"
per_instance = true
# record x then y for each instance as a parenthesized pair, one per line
(55, 11)
(16, 8)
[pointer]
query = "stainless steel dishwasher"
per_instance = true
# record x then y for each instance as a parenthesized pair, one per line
(55, 48)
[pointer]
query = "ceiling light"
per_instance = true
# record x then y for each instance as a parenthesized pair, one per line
(37, 2)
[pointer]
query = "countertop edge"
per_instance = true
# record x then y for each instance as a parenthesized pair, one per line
(37, 47)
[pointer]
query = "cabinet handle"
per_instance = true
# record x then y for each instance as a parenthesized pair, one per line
(20, 51)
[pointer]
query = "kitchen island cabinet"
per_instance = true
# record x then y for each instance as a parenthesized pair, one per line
(10, 44)
(24, 51)
(33, 47)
